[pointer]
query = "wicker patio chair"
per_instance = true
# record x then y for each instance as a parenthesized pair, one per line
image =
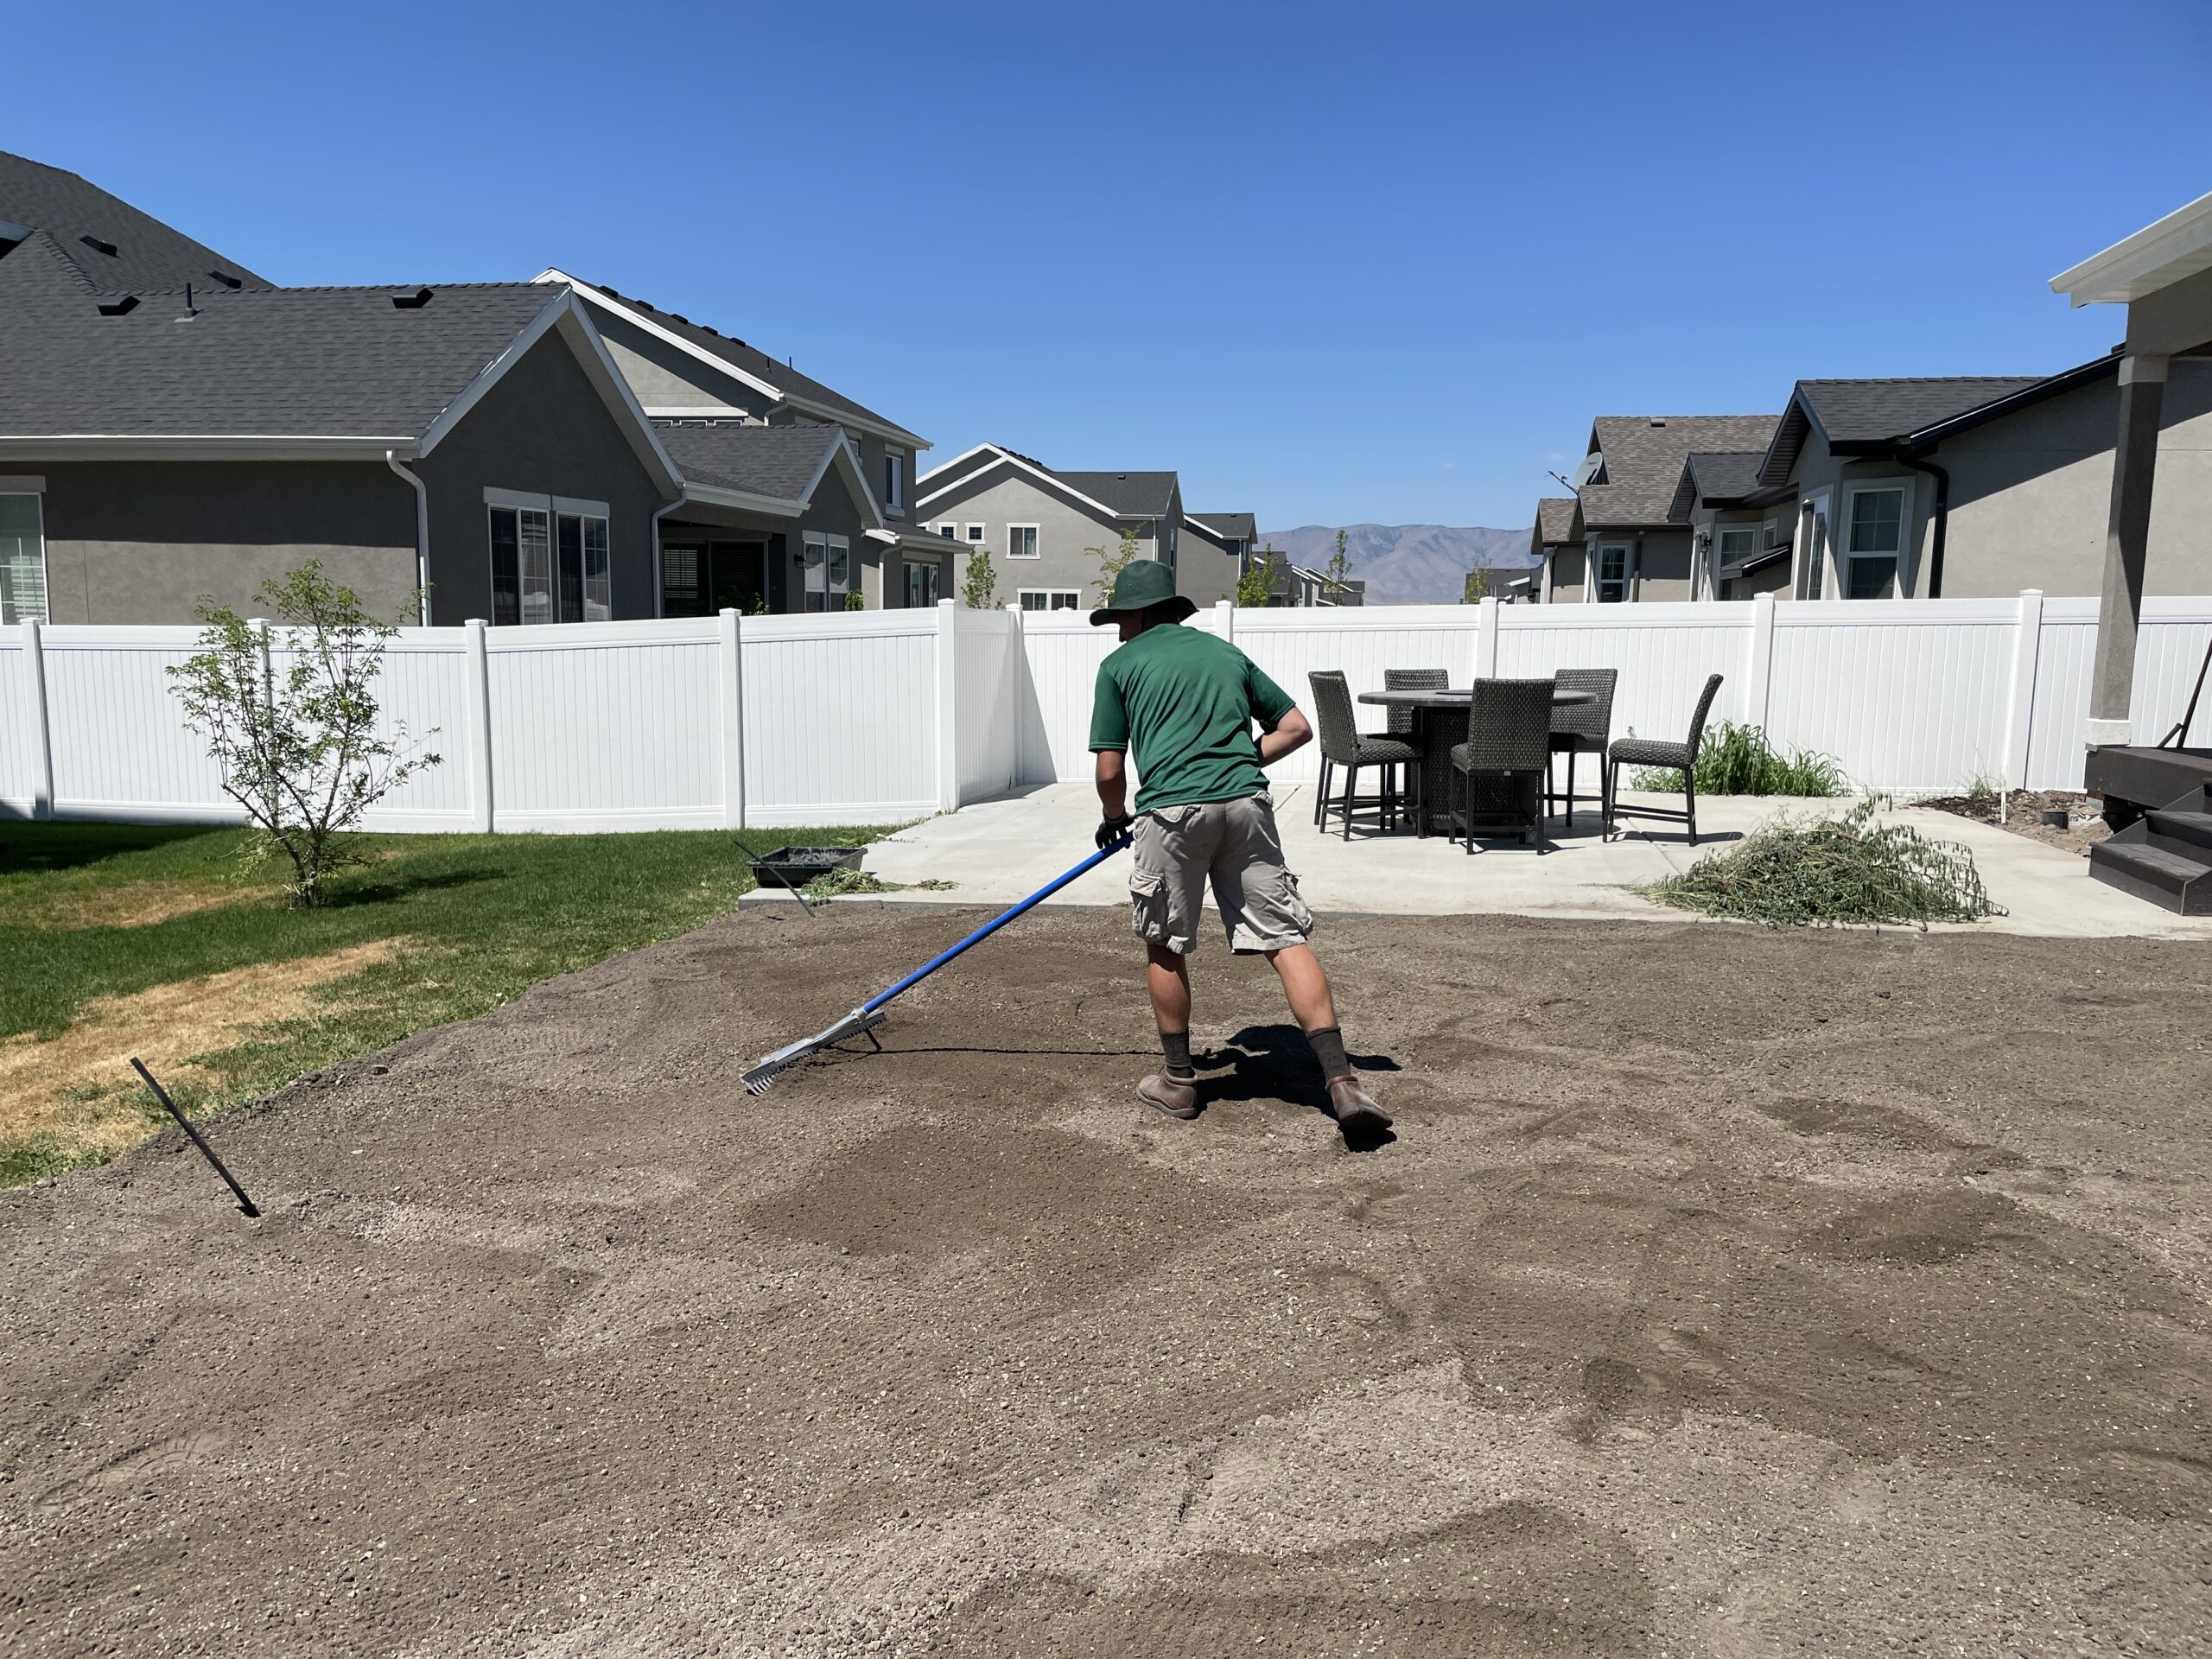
(1581, 728)
(1343, 746)
(1402, 725)
(1499, 770)
(1651, 752)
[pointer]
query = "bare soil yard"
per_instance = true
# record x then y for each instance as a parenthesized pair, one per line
(1723, 1291)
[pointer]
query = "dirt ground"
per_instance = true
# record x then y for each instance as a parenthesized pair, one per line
(2024, 811)
(1723, 1293)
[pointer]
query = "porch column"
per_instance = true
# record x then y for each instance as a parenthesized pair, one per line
(2135, 454)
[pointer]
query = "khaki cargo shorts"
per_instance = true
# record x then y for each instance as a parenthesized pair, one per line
(1231, 843)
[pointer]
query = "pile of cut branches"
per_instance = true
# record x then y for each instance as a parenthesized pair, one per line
(1832, 872)
(836, 884)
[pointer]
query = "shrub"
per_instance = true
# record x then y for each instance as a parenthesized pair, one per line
(979, 582)
(1833, 870)
(1738, 760)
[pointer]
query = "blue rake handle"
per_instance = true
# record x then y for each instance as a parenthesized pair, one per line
(993, 925)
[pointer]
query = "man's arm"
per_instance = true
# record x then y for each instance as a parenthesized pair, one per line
(1289, 733)
(1111, 772)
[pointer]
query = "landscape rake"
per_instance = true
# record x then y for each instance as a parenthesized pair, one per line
(870, 1014)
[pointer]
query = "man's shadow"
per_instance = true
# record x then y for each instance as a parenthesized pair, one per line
(1276, 1063)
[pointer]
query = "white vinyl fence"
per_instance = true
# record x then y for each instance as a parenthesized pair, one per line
(873, 717)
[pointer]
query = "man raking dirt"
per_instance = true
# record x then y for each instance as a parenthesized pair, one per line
(1183, 703)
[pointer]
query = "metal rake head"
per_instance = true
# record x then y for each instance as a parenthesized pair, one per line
(757, 1080)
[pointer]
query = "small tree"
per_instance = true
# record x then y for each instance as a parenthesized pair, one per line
(1113, 561)
(855, 602)
(289, 715)
(1478, 587)
(979, 585)
(1339, 563)
(1257, 586)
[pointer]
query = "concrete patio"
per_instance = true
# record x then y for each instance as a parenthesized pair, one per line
(1000, 850)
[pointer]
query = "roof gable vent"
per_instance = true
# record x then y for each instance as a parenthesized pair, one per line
(98, 246)
(414, 301)
(1658, 421)
(122, 308)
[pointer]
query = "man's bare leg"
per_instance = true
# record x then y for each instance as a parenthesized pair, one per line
(1174, 1090)
(1307, 986)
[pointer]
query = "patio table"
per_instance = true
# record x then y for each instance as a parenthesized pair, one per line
(1440, 727)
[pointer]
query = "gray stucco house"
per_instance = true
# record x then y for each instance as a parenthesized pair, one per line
(1623, 543)
(174, 426)
(1214, 551)
(1038, 521)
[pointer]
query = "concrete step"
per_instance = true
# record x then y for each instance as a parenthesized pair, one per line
(2169, 880)
(2187, 833)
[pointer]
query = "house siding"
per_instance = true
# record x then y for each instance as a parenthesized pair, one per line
(663, 376)
(1662, 566)
(142, 541)
(1205, 568)
(542, 428)
(1064, 530)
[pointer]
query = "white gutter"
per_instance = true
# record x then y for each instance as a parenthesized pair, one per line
(422, 533)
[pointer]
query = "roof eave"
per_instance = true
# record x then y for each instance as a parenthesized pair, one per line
(210, 446)
(2156, 256)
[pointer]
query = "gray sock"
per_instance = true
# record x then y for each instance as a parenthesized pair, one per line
(1176, 1045)
(1328, 1048)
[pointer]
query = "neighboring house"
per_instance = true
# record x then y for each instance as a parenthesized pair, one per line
(1740, 532)
(1215, 551)
(1974, 487)
(1041, 524)
(1630, 547)
(1296, 585)
(476, 441)
(736, 528)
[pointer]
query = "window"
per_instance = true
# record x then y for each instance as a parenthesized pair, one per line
(23, 559)
(1050, 599)
(950, 530)
(1613, 573)
(550, 560)
(1021, 541)
(1876, 542)
(679, 580)
(894, 481)
(1739, 543)
(975, 532)
(921, 584)
(828, 562)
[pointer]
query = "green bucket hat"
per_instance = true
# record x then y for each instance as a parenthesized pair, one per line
(1143, 584)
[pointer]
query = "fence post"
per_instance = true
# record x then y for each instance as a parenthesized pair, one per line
(1486, 639)
(271, 806)
(479, 726)
(730, 653)
(1760, 670)
(1017, 664)
(2020, 702)
(42, 729)
(948, 708)
(1224, 620)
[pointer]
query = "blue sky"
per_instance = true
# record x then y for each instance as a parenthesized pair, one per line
(1331, 263)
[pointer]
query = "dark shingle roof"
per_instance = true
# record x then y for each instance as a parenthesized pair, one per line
(147, 253)
(292, 362)
(1230, 526)
(754, 361)
(1859, 411)
(1644, 455)
(1554, 519)
(773, 461)
(1127, 494)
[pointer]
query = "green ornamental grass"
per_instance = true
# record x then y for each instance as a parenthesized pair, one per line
(1834, 871)
(1738, 760)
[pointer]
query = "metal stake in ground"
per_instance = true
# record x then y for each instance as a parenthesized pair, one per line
(205, 1151)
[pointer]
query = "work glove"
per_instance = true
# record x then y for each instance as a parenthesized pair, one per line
(1112, 830)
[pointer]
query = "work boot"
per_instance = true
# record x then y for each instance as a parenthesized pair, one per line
(1177, 1096)
(1356, 1112)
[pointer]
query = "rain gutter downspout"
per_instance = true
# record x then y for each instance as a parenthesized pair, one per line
(1943, 517)
(422, 534)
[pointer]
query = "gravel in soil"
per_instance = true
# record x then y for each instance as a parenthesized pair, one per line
(2023, 809)
(1721, 1291)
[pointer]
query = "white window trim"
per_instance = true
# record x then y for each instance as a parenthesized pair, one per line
(1853, 489)
(36, 493)
(1037, 540)
(978, 533)
(1075, 594)
(1597, 564)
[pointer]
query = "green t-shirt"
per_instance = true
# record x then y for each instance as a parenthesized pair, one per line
(1183, 703)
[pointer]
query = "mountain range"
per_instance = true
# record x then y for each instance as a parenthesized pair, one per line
(1406, 564)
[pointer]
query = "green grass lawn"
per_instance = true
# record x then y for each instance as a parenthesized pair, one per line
(108, 931)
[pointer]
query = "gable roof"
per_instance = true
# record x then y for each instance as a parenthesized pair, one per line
(779, 381)
(1864, 416)
(1118, 495)
(1554, 521)
(115, 245)
(1643, 456)
(1716, 479)
(277, 371)
(777, 469)
(1226, 526)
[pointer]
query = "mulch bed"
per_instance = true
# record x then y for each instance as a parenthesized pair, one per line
(2024, 811)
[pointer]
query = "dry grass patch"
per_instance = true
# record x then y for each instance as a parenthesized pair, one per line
(139, 904)
(78, 1088)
